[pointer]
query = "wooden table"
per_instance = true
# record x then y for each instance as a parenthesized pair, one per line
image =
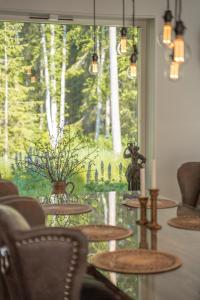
(180, 284)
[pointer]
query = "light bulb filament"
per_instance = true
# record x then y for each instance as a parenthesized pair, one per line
(174, 70)
(179, 49)
(167, 33)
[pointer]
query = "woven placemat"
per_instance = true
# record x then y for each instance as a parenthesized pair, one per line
(136, 261)
(97, 233)
(161, 203)
(190, 223)
(66, 209)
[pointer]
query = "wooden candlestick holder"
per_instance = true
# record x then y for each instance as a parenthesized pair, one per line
(154, 197)
(143, 211)
(143, 237)
(154, 241)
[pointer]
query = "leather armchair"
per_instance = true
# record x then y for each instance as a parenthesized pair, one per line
(8, 188)
(28, 207)
(41, 263)
(188, 176)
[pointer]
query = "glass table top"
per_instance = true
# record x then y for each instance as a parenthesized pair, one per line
(182, 283)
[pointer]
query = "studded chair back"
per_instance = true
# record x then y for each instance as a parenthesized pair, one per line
(39, 263)
(8, 188)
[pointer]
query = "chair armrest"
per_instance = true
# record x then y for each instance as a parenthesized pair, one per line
(99, 285)
(51, 263)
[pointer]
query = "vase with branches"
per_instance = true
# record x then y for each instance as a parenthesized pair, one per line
(59, 163)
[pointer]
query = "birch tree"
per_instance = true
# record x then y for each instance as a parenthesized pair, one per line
(107, 118)
(53, 85)
(101, 55)
(62, 96)
(47, 81)
(114, 92)
(6, 103)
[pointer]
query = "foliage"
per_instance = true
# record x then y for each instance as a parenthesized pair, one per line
(106, 187)
(23, 80)
(60, 162)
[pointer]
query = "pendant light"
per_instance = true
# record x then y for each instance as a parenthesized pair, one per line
(167, 27)
(132, 70)
(179, 44)
(122, 47)
(94, 65)
(174, 69)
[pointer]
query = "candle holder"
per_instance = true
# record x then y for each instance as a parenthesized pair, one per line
(143, 237)
(154, 197)
(154, 239)
(143, 211)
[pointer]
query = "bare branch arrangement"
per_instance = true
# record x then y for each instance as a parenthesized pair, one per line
(71, 153)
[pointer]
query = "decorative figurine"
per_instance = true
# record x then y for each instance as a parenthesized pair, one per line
(133, 169)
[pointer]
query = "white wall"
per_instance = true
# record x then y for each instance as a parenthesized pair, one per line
(177, 105)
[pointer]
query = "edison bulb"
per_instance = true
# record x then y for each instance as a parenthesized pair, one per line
(122, 46)
(179, 49)
(94, 66)
(174, 72)
(167, 34)
(132, 71)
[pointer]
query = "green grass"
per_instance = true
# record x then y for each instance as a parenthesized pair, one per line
(31, 184)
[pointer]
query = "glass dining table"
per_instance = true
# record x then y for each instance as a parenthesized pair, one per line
(107, 208)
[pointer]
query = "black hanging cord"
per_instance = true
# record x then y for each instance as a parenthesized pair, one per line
(123, 13)
(133, 13)
(94, 27)
(167, 4)
(180, 10)
(133, 23)
(176, 10)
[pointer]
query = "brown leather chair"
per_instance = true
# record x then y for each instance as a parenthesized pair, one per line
(47, 263)
(188, 176)
(8, 188)
(41, 263)
(28, 207)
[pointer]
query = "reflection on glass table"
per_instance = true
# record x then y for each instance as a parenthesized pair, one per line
(108, 209)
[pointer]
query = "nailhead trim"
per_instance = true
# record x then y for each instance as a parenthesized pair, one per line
(73, 262)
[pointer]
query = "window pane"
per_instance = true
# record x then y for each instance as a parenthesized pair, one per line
(45, 84)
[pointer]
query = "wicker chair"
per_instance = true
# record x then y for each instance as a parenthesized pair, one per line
(188, 176)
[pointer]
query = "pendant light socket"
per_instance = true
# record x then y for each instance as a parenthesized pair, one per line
(133, 58)
(168, 16)
(123, 32)
(179, 28)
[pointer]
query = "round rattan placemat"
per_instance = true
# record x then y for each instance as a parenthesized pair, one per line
(189, 223)
(161, 203)
(66, 209)
(97, 233)
(136, 261)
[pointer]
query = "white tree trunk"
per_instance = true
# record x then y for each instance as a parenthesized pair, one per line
(53, 86)
(112, 221)
(62, 96)
(47, 81)
(107, 120)
(41, 104)
(114, 91)
(99, 94)
(6, 102)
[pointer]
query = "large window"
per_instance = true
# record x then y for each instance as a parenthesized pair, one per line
(45, 85)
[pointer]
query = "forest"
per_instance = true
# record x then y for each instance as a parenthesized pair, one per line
(45, 86)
